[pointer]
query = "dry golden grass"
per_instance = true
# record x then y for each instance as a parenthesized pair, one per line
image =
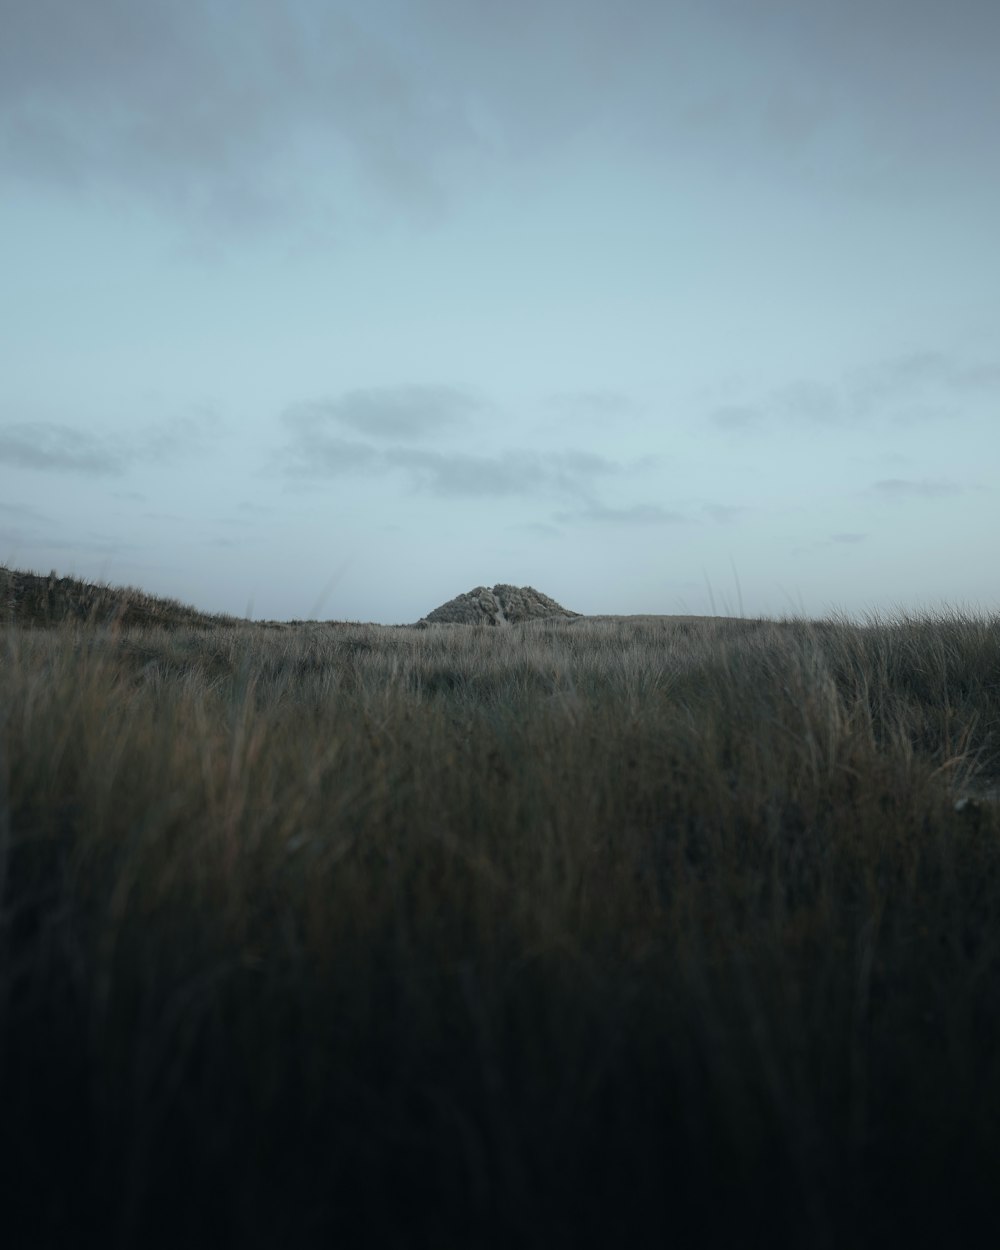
(598, 933)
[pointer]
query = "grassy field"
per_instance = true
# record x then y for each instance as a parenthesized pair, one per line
(606, 933)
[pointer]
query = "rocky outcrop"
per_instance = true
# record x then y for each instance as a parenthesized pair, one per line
(503, 605)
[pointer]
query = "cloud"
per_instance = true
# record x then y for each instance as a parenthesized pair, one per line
(317, 450)
(50, 446)
(218, 111)
(911, 369)
(907, 389)
(593, 405)
(910, 416)
(843, 539)
(180, 436)
(390, 411)
(903, 488)
(726, 514)
(908, 384)
(447, 475)
(907, 76)
(736, 417)
(327, 456)
(235, 522)
(54, 447)
(541, 529)
(459, 475)
(509, 473)
(21, 512)
(28, 544)
(886, 459)
(808, 400)
(637, 514)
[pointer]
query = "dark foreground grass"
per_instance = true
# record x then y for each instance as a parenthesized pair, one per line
(588, 934)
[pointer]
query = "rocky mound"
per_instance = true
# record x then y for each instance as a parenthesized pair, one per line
(503, 605)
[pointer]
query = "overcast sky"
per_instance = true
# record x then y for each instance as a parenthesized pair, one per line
(339, 308)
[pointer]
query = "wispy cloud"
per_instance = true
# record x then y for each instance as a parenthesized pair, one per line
(389, 412)
(177, 437)
(909, 389)
(637, 514)
(917, 374)
(736, 417)
(449, 475)
(597, 405)
(725, 514)
(317, 449)
(808, 400)
(393, 97)
(904, 488)
(97, 105)
(21, 512)
(49, 446)
(30, 545)
(848, 538)
(313, 455)
(21, 526)
(909, 416)
(458, 475)
(541, 529)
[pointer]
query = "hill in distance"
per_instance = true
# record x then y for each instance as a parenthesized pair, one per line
(34, 599)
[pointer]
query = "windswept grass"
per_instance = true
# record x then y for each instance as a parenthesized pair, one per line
(550, 935)
(32, 600)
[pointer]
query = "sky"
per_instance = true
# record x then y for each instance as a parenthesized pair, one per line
(335, 309)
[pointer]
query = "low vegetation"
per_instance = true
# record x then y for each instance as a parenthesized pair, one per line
(603, 933)
(31, 599)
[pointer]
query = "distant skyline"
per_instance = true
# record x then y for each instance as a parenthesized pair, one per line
(338, 310)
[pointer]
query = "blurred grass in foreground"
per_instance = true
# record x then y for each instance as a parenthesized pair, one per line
(558, 934)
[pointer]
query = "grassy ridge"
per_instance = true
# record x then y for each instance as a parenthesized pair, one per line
(33, 600)
(534, 936)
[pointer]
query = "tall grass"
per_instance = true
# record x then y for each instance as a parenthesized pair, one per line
(555, 934)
